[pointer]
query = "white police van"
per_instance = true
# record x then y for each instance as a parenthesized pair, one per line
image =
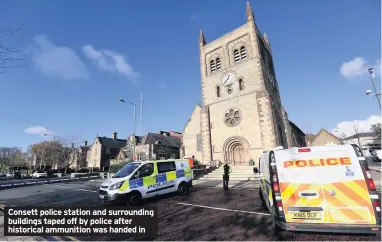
(144, 179)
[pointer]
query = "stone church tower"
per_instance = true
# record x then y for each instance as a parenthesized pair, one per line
(242, 114)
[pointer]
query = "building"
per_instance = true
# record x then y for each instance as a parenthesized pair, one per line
(81, 156)
(153, 146)
(367, 141)
(323, 137)
(296, 135)
(242, 114)
(103, 150)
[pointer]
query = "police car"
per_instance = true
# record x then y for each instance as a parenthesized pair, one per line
(141, 180)
(321, 188)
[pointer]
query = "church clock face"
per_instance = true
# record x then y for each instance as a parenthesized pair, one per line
(228, 79)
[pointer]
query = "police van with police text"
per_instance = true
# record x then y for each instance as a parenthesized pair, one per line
(321, 188)
(144, 179)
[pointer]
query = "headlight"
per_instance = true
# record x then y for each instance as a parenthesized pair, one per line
(116, 185)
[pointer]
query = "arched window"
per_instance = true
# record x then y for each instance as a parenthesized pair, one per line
(240, 54)
(243, 52)
(236, 55)
(198, 143)
(241, 84)
(212, 66)
(218, 63)
(218, 91)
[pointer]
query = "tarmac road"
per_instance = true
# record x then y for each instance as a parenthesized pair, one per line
(205, 214)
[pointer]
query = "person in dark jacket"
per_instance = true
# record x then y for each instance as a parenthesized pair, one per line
(226, 172)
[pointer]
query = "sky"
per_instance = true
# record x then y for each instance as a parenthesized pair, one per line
(80, 58)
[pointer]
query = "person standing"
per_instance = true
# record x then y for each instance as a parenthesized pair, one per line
(226, 172)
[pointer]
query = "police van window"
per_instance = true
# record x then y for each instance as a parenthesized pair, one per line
(166, 167)
(146, 170)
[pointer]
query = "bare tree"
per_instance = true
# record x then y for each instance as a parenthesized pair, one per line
(9, 57)
(7, 155)
(377, 129)
(69, 152)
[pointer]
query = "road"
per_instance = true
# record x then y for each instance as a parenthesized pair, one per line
(198, 216)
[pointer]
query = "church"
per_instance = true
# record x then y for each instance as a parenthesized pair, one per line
(242, 114)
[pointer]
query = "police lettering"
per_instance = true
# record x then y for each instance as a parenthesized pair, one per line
(343, 161)
(160, 184)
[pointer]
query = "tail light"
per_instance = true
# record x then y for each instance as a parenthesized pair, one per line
(276, 188)
(370, 183)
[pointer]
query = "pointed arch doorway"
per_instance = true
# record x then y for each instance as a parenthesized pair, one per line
(236, 151)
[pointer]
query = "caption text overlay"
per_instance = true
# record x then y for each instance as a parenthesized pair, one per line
(79, 221)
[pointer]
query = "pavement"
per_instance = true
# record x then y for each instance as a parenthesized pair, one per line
(236, 214)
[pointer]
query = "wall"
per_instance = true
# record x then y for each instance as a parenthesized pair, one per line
(189, 135)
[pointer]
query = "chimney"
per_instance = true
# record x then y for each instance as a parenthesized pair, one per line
(114, 135)
(86, 143)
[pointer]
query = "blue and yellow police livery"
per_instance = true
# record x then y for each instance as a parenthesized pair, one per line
(141, 180)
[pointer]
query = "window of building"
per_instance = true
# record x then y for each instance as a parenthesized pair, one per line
(166, 166)
(218, 91)
(240, 54)
(141, 156)
(212, 66)
(218, 63)
(241, 84)
(236, 55)
(243, 52)
(199, 142)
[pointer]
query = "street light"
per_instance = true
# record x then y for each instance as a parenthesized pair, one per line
(376, 93)
(135, 114)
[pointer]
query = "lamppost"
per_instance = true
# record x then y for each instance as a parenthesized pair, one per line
(135, 114)
(54, 139)
(376, 93)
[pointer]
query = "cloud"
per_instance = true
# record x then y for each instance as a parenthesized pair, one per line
(56, 61)
(348, 128)
(195, 16)
(110, 61)
(38, 130)
(358, 67)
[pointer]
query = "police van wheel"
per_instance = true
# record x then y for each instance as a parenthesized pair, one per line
(134, 198)
(183, 189)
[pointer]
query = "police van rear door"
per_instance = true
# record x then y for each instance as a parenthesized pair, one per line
(324, 184)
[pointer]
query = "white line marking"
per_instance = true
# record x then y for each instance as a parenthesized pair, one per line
(224, 209)
(76, 188)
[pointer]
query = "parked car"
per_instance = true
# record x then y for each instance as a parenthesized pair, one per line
(377, 155)
(39, 174)
(9, 174)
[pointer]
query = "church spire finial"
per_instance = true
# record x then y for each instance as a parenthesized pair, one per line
(249, 13)
(202, 40)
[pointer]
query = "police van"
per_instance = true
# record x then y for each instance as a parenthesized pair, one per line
(321, 188)
(141, 180)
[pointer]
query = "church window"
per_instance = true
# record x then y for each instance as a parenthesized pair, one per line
(232, 117)
(198, 143)
(212, 66)
(243, 52)
(241, 84)
(218, 91)
(218, 63)
(236, 55)
(240, 54)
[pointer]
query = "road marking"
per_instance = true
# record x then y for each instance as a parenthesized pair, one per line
(76, 188)
(224, 209)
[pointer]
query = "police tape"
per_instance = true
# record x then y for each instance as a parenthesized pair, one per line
(19, 184)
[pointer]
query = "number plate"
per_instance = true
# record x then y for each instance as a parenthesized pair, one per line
(306, 215)
(101, 196)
